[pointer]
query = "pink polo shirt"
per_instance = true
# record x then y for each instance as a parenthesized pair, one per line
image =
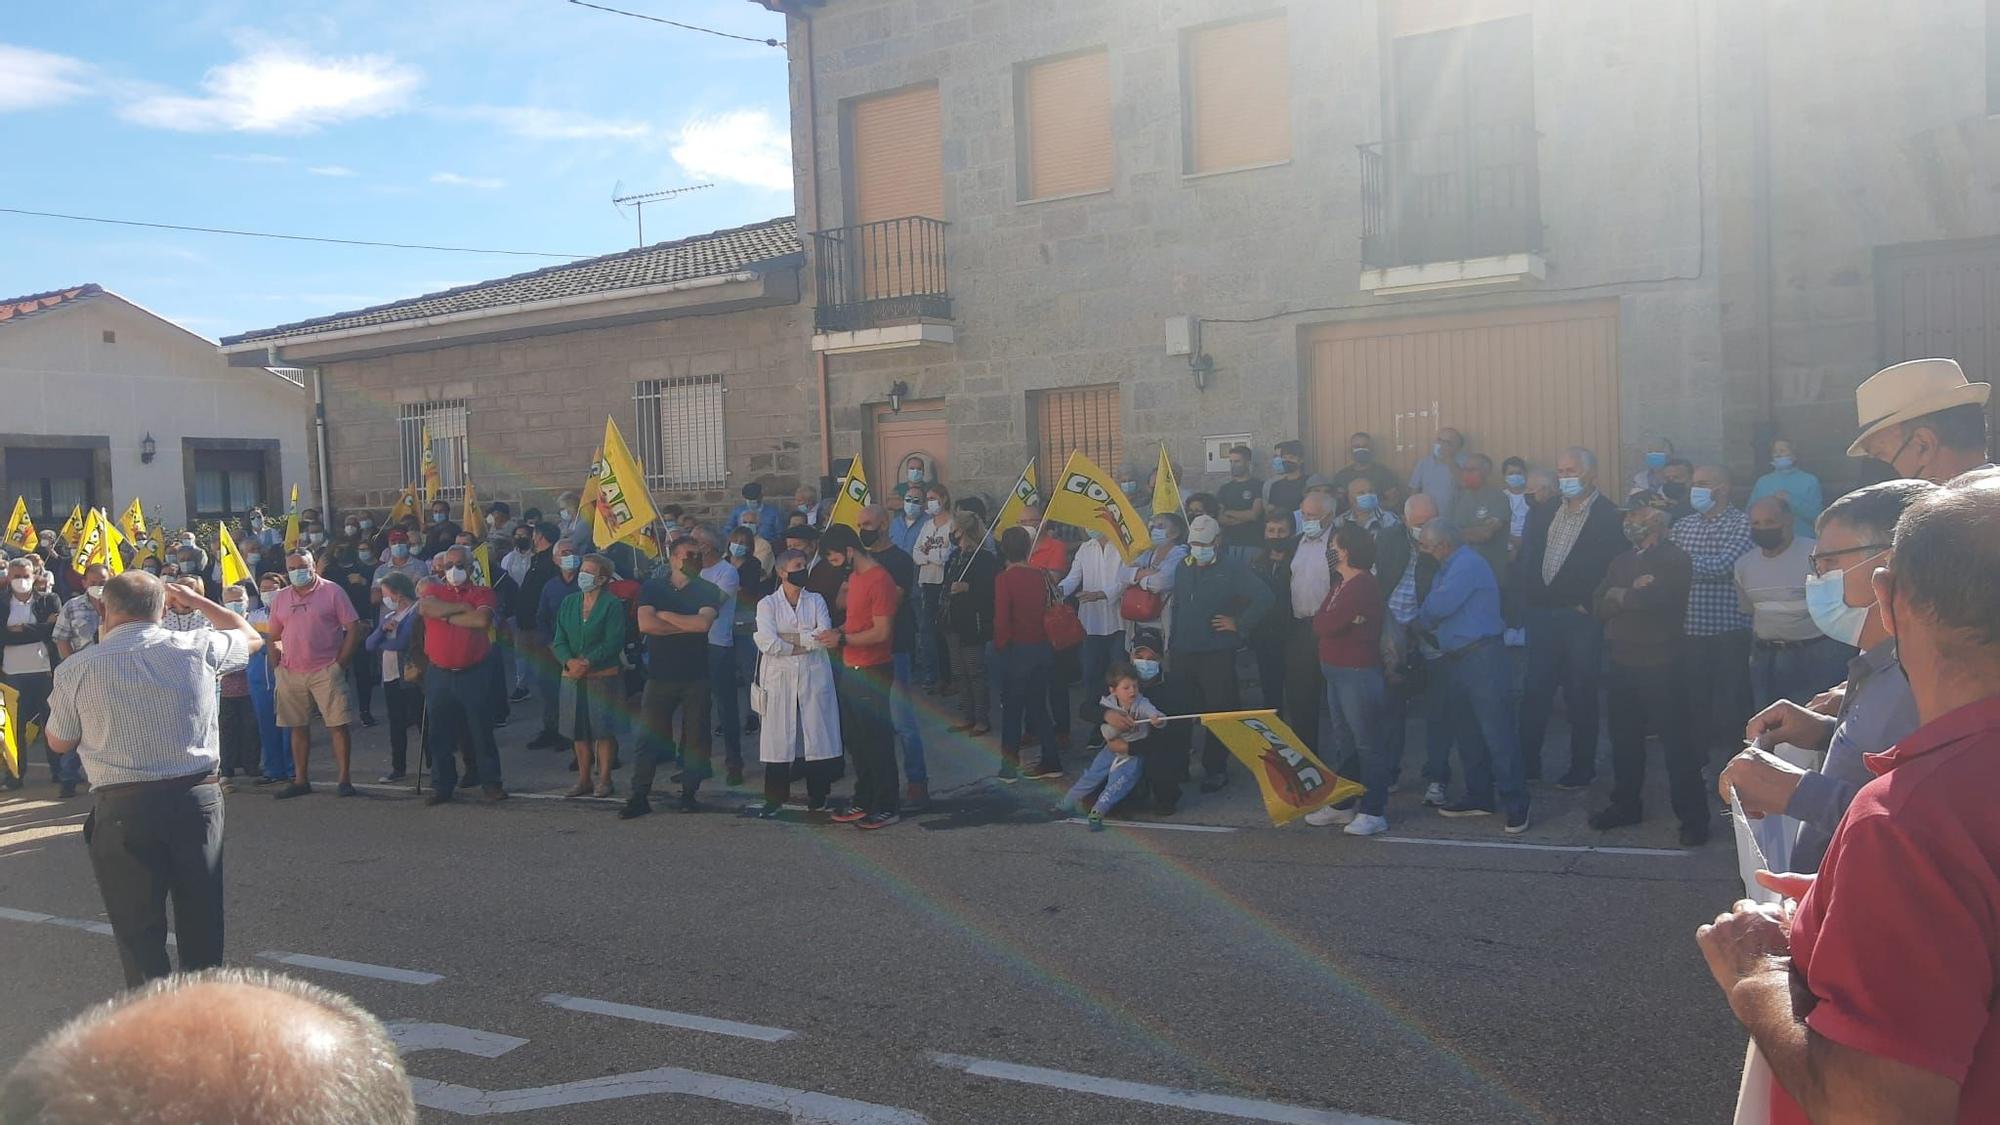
(312, 623)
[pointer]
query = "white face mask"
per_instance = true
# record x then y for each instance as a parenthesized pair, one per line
(455, 575)
(96, 593)
(236, 605)
(22, 585)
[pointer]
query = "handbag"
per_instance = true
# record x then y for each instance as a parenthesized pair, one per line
(1060, 622)
(1140, 604)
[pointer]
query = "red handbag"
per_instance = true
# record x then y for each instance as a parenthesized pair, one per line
(1140, 604)
(1059, 621)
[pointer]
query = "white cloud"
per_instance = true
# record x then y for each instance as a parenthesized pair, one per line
(453, 179)
(537, 123)
(281, 89)
(743, 146)
(31, 78)
(338, 170)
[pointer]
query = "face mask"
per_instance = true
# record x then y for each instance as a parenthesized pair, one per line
(1128, 487)
(1238, 469)
(352, 529)
(1826, 601)
(96, 593)
(1572, 487)
(871, 536)
(911, 508)
(1767, 537)
(456, 575)
(1159, 531)
(566, 514)
(1312, 529)
(316, 538)
(753, 505)
(1701, 499)
(1280, 466)
(934, 506)
(303, 576)
(524, 544)
(569, 562)
(1283, 544)
(1674, 490)
(22, 585)
(1202, 553)
(1516, 480)
(254, 559)
(586, 581)
(257, 523)
(916, 476)
(367, 525)
(1362, 454)
(367, 556)
(1656, 460)
(1147, 669)
(151, 569)
(1782, 463)
(1416, 529)
(1368, 501)
(400, 550)
(187, 541)
(738, 550)
(794, 577)
(1635, 534)
(236, 605)
(691, 568)
(1437, 449)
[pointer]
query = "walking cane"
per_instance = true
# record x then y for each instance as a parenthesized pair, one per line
(423, 745)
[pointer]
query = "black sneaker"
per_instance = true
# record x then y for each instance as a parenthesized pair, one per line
(295, 789)
(1213, 783)
(751, 725)
(1694, 835)
(635, 807)
(1571, 782)
(767, 811)
(734, 777)
(687, 803)
(546, 741)
(873, 821)
(266, 780)
(345, 789)
(1009, 773)
(1041, 772)
(518, 695)
(438, 797)
(1606, 819)
(1464, 808)
(67, 790)
(1517, 823)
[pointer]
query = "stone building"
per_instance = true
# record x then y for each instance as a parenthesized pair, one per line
(1104, 224)
(697, 347)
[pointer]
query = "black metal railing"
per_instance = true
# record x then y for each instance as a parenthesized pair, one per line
(1449, 197)
(891, 272)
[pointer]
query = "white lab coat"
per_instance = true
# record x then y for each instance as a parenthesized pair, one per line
(1097, 567)
(801, 716)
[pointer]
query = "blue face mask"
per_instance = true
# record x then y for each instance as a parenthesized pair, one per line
(1202, 553)
(586, 581)
(1278, 466)
(738, 550)
(1826, 602)
(1782, 463)
(1310, 529)
(1516, 480)
(303, 576)
(1437, 449)
(1656, 460)
(1701, 499)
(570, 562)
(1572, 487)
(1147, 669)
(1368, 501)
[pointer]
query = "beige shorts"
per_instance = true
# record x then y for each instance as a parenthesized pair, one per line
(298, 693)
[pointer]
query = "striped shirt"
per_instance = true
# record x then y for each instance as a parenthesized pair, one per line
(142, 701)
(77, 625)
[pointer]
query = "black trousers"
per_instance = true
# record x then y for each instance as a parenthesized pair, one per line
(1305, 684)
(868, 734)
(819, 776)
(695, 751)
(149, 843)
(1209, 679)
(236, 731)
(1716, 670)
(1655, 700)
(404, 702)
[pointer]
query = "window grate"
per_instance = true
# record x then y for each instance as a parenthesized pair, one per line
(447, 424)
(680, 431)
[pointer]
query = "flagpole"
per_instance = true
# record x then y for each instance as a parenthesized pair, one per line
(1213, 715)
(1018, 482)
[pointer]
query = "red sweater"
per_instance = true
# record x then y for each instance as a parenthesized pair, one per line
(1349, 624)
(1020, 594)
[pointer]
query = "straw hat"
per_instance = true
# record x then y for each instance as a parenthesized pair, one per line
(1912, 389)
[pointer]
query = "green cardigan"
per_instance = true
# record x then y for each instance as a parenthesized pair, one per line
(598, 640)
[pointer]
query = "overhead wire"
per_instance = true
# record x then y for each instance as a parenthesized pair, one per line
(286, 237)
(677, 23)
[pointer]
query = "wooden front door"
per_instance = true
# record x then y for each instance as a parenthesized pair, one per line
(918, 430)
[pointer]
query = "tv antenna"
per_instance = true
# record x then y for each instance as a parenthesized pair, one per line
(640, 199)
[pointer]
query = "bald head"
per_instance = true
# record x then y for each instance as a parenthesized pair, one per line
(1419, 510)
(228, 1045)
(133, 596)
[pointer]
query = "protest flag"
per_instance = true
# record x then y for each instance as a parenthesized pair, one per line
(21, 533)
(1167, 490)
(234, 568)
(433, 479)
(1085, 497)
(90, 543)
(133, 522)
(1025, 494)
(623, 509)
(72, 528)
(404, 507)
(114, 559)
(473, 521)
(853, 497)
(1293, 782)
(292, 522)
(10, 740)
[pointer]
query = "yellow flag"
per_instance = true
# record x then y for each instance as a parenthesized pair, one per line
(292, 522)
(853, 497)
(623, 508)
(133, 522)
(405, 506)
(72, 528)
(1025, 493)
(1293, 782)
(234, 568)
(114, 557)
(21, 532)
(482, 565)
(10, 742)
(474, 521)
(1085, 497)
(433, 479)
(586, 508)
(90, 543)
(1167, 490)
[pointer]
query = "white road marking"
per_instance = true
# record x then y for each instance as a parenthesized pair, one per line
(1225, 1105)
(81, 924)
(1154, 824)
(351, 968)
(414, 1035)
(512, 793)
(800, 1106)
(1504, 845)
(670, 1019)
(87, 925)
(10, 914)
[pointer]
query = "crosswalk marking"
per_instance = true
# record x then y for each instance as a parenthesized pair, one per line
(351, 968)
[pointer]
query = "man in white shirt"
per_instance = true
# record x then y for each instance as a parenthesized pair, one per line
(1790, 658)
(1096, 580)
(27, 664)
(1312, 580)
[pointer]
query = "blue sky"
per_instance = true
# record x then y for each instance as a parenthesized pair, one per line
(488, 123)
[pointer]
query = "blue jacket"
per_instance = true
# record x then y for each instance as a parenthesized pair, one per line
(1225, 588)
(384, 639)
(550, 604)
(1464, 602)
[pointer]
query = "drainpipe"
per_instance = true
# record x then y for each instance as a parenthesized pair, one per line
(319, 444)
(1766, 429)
(808, 199)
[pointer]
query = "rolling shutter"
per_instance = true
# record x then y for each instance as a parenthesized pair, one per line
(1238, 95)
(1084, 418)
(1066, 120)
(896, 148)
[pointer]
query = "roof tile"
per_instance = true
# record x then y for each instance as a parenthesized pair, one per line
(17, 308)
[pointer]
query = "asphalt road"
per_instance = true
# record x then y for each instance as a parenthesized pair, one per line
(982, 962)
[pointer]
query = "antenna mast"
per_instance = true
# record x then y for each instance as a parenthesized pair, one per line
(639, 201)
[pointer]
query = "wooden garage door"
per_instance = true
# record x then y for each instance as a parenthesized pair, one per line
(1527, 382)
(1942, 301)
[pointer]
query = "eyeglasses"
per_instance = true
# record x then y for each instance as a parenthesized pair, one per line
(1818, 559)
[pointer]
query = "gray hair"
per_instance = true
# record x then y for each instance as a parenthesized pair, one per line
(563, 544)
(784, 557)
(605, 567)
(1438, 532)
(399, 584)
(273, 1049)
(21, 560)
(1583, 457)
(1947, 551)
(1545, 477)
(137, 595)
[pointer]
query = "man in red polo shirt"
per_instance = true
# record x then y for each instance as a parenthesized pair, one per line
(1875, 1001)
(458, 693)
(867, 655)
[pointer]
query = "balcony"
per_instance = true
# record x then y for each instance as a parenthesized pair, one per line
(1451, 210)
(881, 285)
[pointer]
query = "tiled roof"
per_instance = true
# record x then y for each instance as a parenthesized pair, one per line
(704, 255)
(16, 308)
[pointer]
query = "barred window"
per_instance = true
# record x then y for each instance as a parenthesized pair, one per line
(446, 423)
(679, 437)
(1077, 418)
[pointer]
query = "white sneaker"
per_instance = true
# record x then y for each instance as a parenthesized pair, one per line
(1327, 815)
(1434, 795)
(1365, 825)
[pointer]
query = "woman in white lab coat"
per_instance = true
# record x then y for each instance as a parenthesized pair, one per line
(801, 734)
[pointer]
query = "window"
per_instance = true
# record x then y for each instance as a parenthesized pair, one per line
(1063, 107)
(680, 432)
(227, 482)
(53, 481)
(1236, 83)
(1079, 418)
(896, 152)
(446, 423)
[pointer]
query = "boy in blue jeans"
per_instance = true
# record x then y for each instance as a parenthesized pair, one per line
(1115, 767)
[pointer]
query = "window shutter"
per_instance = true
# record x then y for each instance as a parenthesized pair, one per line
(1239, 95)
(897, 149)
(1066, 118)
(1079, 418)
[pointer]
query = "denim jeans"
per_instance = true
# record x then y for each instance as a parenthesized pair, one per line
(1098, 655)
(1355, 696)
(1796, 672)
(1483, 704)
(722, 693)
(1025, 700)
(1564, 651)
(903, 714)
(1117, 773)
(1440, 732)
(460, 707)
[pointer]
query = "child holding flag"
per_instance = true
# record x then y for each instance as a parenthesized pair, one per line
(1115, 767)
